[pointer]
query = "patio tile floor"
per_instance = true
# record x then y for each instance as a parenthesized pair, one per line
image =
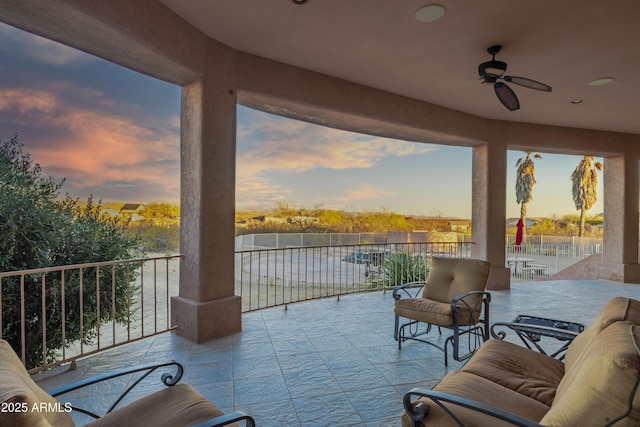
(324, 362)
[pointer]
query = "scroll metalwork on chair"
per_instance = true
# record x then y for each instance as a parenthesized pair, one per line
(173, 405)
(452, 297)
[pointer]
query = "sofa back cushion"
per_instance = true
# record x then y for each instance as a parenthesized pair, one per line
(21, 397)
(617, 309)
(601, 383)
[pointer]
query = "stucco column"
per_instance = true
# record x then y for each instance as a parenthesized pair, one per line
(620, 252)
(206, 307)
(488, 212)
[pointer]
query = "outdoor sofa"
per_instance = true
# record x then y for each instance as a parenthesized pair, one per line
(508, 384)
(24, 404)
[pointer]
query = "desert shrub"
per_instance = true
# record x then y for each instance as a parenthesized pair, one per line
(38, 231)
(401, 268)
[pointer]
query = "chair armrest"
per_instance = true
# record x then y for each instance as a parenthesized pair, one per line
(456, 300)
(147, 369)
(227, 419)
(420, 410)
(409, 290)
(455, 308)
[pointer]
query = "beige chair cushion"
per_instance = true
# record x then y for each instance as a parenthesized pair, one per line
(18, 389)
(451, 277)
(434, 312)
(601, 381)
(179, 405)
(528, 372)
(447, 279)
(470, 386)
(617, 309)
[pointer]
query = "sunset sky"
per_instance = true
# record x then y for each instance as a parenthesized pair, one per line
(114, 133)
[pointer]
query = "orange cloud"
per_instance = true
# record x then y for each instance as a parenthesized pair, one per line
(91, 147)
(26, 101)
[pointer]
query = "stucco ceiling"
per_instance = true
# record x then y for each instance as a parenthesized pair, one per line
(565, 44)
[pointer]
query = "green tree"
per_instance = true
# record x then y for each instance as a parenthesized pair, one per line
(159, 229)
(383, 221)
(543, 227)
(525, 181)
(584, 187)
(38, 231)
(161, 214)
(332, 221)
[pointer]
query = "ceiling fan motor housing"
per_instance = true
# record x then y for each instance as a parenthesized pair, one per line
(492, 69)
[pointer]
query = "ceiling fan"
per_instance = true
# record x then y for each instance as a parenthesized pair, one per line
(492, 71)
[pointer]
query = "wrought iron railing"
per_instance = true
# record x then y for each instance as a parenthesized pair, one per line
(263, 278)
(272, 277)
(86, 308)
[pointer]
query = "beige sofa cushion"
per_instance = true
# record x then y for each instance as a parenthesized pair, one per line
(616, 309)
(19, 390)
(179, 405)
(601, 381)
(528, 372)
(473, 387)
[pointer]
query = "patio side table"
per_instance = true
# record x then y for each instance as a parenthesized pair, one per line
(531, 329)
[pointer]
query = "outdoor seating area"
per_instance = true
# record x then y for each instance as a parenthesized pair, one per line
(305, 100)
(595, 386)
(24, 403)
(323, 362)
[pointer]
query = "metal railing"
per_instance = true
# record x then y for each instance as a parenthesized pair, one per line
(58, 314)
(528, 262)
(84, 296)
(272, 277)
(298, 240)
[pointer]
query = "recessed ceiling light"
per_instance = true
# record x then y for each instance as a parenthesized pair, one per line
(430, 13)
(602, 81)
(577, 101)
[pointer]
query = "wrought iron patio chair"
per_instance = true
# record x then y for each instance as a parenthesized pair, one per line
(452, 297)
(25, 404)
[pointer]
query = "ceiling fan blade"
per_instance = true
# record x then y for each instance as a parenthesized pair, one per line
(531, 84)
(506, 96)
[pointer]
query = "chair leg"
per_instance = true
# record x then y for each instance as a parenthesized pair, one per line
(456, 344)
(395, 328)
(446, 353)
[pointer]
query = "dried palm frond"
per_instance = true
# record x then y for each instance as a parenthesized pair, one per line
(584, 186)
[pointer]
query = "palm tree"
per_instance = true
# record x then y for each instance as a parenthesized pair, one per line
(585, 181)
(524, 184)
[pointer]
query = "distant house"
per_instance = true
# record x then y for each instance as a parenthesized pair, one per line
(132, 211)
(459, 225)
